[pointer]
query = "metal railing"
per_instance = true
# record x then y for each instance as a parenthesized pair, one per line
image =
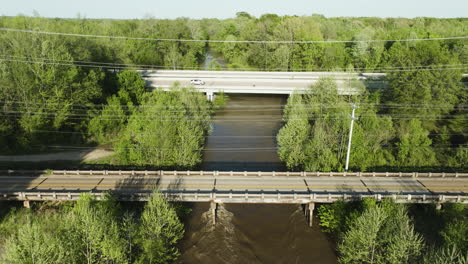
(236, 173)
(239, 197)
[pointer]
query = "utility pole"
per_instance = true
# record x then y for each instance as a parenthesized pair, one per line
(350, 135)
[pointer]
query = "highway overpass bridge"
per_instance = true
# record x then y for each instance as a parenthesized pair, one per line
(305, 188)
(248, 82)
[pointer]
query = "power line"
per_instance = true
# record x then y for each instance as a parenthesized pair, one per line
(250, 106)
(227, 41)
(154, 118)
(233, 136)
(122, 67)
(94, 62)
(182, 117)
(226, 149)
(146, 148)
(65, 64)
(183, 113)
(161, 114)
(222, 149)
(149, 66)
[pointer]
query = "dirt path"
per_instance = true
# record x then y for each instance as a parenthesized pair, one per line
(85, 155)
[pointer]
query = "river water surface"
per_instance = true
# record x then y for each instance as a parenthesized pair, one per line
(243, 138)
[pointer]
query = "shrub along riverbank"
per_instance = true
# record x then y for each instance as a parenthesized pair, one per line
(90, 231)
(390, 233)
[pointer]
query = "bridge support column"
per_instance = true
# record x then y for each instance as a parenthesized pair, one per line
(309, 212)
(438, 206)
(213, 208)
(26, 204)
(210, 96)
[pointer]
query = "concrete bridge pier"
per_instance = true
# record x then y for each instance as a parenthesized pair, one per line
(210, 96)
(309, 212)
(26, 204)
(213, 208)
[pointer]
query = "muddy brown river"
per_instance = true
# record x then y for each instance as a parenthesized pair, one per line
(243, 138)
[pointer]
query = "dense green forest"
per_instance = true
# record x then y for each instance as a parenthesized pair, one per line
(362, 56)
(390, 133)
(91, 231)
(419, 121)
(59, 91)
(69, 92)
(390, 233)
(51, 100)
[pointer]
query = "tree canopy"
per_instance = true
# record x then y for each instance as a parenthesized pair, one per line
(91, 231)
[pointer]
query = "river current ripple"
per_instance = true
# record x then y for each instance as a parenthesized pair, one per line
(252, 233)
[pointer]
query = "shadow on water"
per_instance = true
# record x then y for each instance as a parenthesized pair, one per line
(250, 233)
(244, 166)
(253, 234)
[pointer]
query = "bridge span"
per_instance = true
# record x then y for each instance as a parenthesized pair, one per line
(248, 82)
(306, 188)
(236, 187)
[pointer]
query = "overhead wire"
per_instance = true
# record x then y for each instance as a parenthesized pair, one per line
(146, 148)
(232, 136)
(247, 120)
(123, 67)
(226, 41)
(290, 117)
(149, 66)
(256, 107)
(223, 149)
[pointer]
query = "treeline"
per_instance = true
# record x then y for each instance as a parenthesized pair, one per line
(115, 52)
(91, 231)
(385, 233)
(365, 56)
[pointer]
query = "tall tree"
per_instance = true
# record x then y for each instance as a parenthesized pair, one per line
(381, 234)
(293, 136)
(160, 230)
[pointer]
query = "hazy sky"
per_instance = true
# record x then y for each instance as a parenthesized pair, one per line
(228, 8)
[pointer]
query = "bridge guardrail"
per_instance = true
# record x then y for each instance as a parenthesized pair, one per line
(236, 173)
(245, 197)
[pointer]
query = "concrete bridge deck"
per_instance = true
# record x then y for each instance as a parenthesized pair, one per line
(236, 187)
(258, 82)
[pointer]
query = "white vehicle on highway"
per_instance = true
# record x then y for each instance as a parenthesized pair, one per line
(197, 82)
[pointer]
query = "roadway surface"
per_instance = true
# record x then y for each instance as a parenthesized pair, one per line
(258, 82)
(252, 184)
